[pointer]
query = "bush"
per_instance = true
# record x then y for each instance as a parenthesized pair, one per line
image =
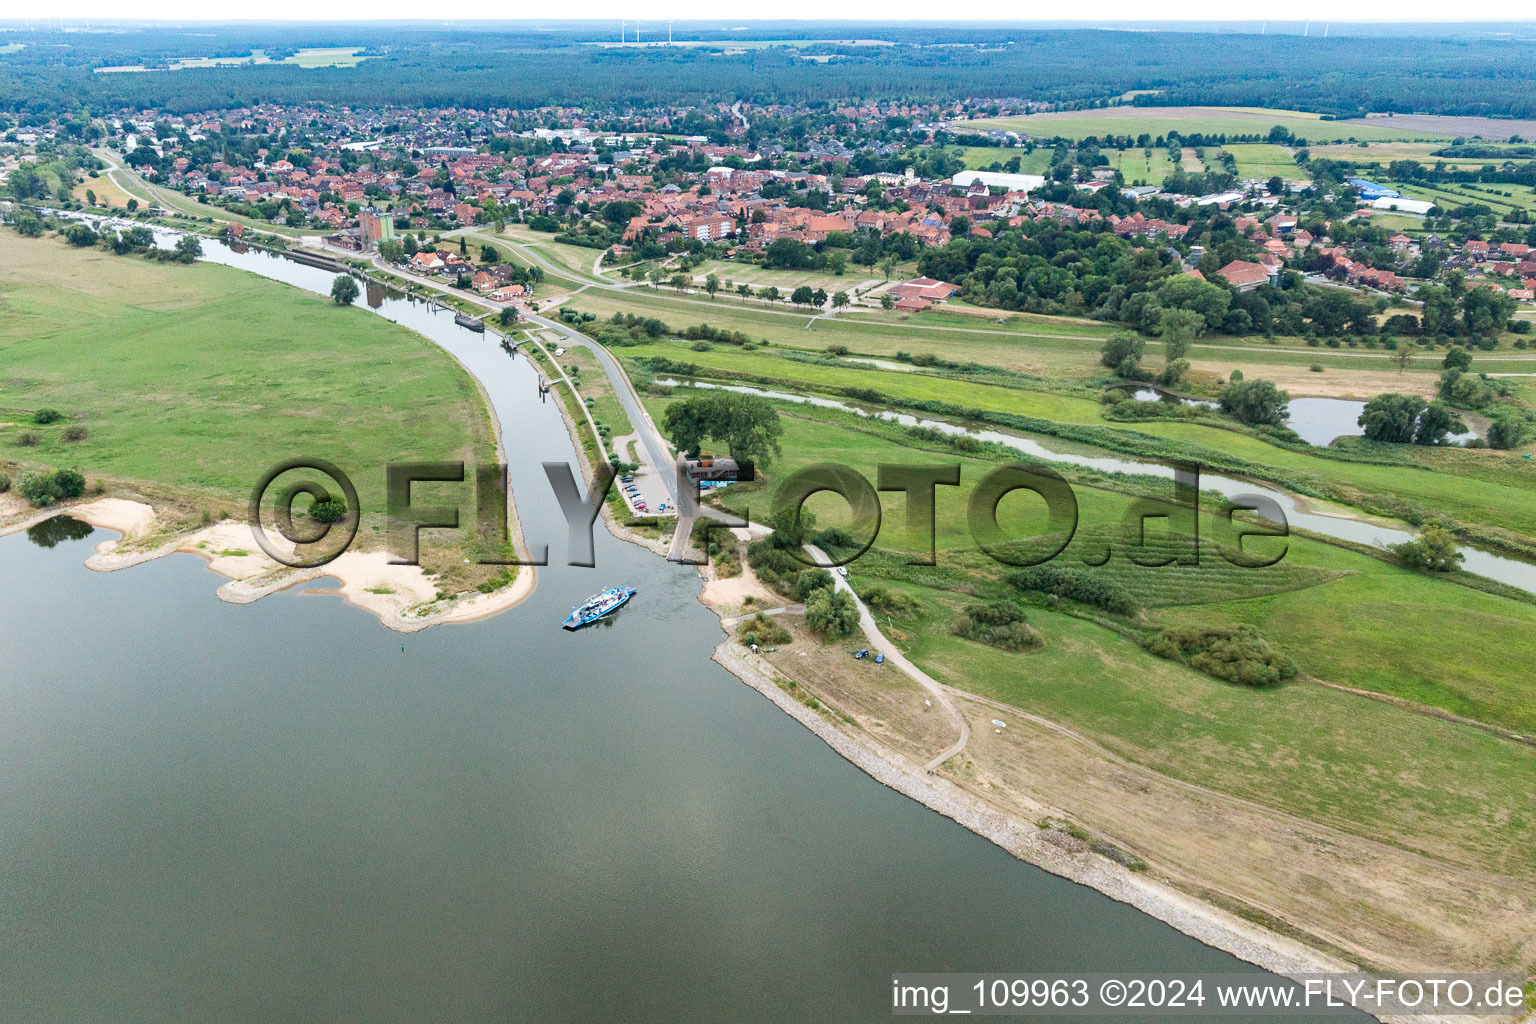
(74, 433)
(5, 483)
(832, 613)
(27, 439)
(763, 631)
(1074, 585)
(69, 483)
(1434, 550)
(810, 581)
(46, 416)
(38, 488)
(332, 511)
(998, 623)
(1238, 654)
(889, 601)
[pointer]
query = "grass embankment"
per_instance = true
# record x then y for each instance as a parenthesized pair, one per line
(1060, 346)
(1492, 492)
(191, 381)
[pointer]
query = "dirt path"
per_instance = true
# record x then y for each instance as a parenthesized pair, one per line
(894, 656)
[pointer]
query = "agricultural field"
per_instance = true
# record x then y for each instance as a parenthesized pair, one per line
(1263, 160)
(1494, 129)
(1500, 197)
(1384, 153)
(313, 57)
(1130, 120)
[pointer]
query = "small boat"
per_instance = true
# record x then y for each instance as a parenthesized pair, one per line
(604, 602)
(470, 322)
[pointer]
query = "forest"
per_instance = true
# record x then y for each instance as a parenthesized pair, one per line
(507, 65)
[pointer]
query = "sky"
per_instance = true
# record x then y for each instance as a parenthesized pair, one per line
(656, 11)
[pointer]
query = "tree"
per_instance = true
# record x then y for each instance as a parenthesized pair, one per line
(832, 613)
(344, 289)
(1255, 402)
(887, 301)
(133, 204)
(80, 235)
(1392, 418)
(1457, 358)
(1177, 328)
(712, 285)
(1437, 420)
(188, 248)
(1508, 430)
(748, 424)
(1434, 550)
(802, 296)
(391, 250)
(744, 290)
(839, 300)
(1122, 353)
(488, 254)
(819, 298)
(1402, 356)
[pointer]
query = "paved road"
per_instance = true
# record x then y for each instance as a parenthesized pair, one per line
(893, 656)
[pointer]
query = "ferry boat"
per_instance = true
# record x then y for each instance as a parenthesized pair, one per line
(604, 602)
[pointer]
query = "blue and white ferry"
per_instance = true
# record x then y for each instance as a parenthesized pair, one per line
(604, 602)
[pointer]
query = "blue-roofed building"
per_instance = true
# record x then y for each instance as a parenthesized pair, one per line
(1369, 190)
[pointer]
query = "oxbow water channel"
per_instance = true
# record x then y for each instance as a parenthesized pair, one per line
(272, 812)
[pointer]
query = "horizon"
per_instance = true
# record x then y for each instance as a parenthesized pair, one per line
(172, 13)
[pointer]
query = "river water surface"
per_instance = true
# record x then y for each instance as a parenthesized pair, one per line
(284, 812)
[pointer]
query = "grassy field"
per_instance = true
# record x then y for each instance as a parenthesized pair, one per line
(191, 381)
(108, 193)
(1148, 166)
(1130, 120)
(1263, 160)
(785, 280)
(977, 158)
(1344, 617)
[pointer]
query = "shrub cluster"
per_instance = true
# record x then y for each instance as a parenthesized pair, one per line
(1238, 654)
(46, 488)
(999, 623)
(1075, 585)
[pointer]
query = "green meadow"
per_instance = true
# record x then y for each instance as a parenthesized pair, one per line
(1344, 617)
(191, 381)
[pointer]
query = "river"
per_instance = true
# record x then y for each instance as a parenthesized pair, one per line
(278, 811)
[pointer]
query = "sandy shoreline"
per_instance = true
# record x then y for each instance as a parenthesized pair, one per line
(402, 597)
